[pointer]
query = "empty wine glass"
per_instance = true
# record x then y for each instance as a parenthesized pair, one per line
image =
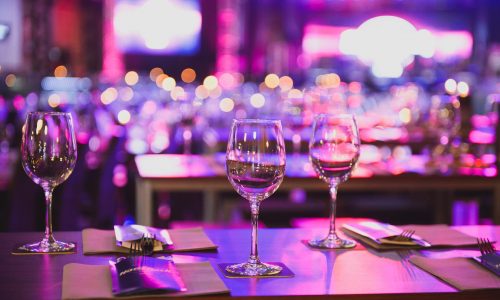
(333, 152)
(255, 166)
(48, 152)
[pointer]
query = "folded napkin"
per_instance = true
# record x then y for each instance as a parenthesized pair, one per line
(460, 272)
(437, 236)
(82, 281)
(96, 241)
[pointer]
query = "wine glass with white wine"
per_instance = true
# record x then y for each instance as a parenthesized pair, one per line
(255, 166)
(334, 150)
(48, 152)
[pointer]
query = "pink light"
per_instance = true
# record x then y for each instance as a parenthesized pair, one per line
(457, 44)
(320, 40)
(480, 137)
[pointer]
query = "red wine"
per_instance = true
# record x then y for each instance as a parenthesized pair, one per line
(253, 179)
(49, 170)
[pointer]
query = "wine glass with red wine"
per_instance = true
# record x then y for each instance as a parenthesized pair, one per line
(48, 150)
(255, 166)
(334, 150)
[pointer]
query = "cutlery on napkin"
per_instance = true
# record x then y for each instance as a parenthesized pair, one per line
(386, 234)
(126, 235)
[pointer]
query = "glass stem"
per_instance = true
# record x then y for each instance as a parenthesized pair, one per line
(48, 214)
(297, 143)
(254, 209)
(333, 208)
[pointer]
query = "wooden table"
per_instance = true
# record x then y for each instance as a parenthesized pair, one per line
(180, 173)
(344, 274)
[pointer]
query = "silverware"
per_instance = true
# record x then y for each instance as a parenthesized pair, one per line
(148, 244)
(490, 258)
(405, 235)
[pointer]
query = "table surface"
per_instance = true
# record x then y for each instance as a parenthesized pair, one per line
(341, 274)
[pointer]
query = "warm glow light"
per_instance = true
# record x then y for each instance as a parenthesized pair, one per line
(60, 71)
(109, 95)
(295, 94)
(272, 81)
(54, 100)
(177, 92)
(257, 100)
(405, 115)
(201, 92)
(168, 84)
(226, 104)
(10, 80)
(123, 117)
(210, 82)
(450, 86)
(286, 83)
(131, 78)
(463, 89)
(154, 73)
(188, 75)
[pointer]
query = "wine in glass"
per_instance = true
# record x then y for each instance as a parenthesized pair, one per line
(333, 152)
(48, 152)
(255, 166)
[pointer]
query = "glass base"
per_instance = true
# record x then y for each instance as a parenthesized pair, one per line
(46, 247)
(332, 242)
(253, 269)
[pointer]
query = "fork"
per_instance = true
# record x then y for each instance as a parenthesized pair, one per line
(485, 246)
(135, 247)
(405, 235)
(148, 244)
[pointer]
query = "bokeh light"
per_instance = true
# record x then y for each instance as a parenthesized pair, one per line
(155, 72)
(10, 80)
(60, 71)
(131, 78)
(450, 86)
(257, 100)
(188, 75)
(211, 82)
(226, 104)
(272, 81)
(123, 116)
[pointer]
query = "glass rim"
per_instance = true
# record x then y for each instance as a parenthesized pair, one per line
(343, 115)
(56, 113)
(258, 121)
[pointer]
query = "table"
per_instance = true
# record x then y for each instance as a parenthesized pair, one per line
(341, 274)
(183, 173)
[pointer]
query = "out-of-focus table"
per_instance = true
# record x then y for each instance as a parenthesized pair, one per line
(341, 274)
(206, 173)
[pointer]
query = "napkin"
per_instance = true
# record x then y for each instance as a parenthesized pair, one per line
(126, 235)
(376, 235)
(82, 281)
(460, 272)
(96, 241)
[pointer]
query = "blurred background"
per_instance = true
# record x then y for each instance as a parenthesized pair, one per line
(168, 76)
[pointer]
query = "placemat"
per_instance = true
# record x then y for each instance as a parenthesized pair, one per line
(82, 281)
(97, 241)
(439, 236)
(460, 272)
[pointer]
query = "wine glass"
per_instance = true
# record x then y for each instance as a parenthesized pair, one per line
(255, 166)
(298, 116)
(333, 152)
(48, 152)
